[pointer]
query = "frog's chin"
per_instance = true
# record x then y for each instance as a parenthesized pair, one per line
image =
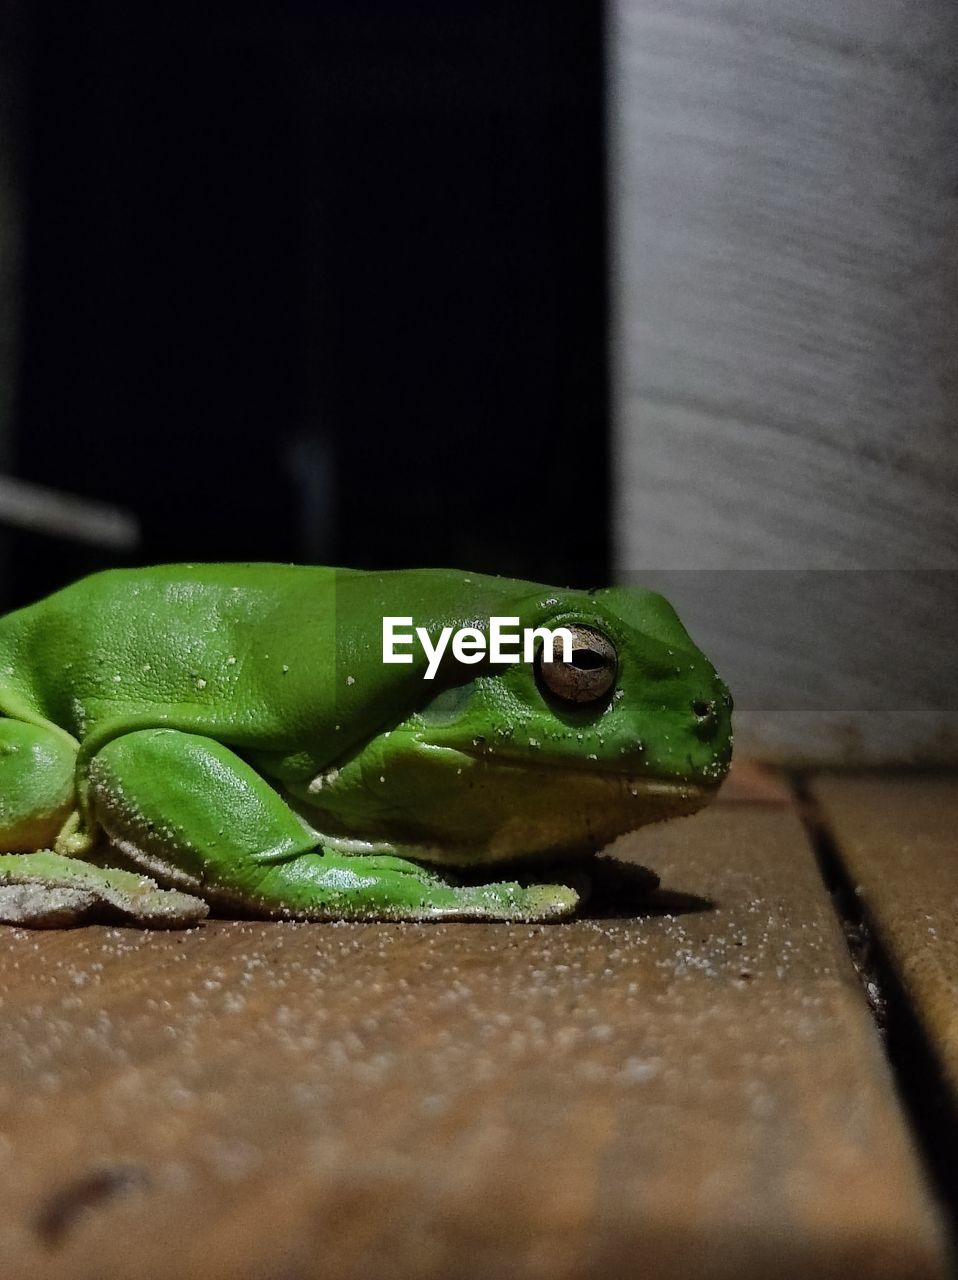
(476, 811)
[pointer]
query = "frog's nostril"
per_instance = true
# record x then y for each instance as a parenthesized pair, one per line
(706, 718)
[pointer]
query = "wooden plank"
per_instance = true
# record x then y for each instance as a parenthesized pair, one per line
(784, 300)
(898, 840)
(751, 783)
(697, 1091)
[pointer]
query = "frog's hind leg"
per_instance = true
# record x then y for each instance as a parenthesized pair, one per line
(46, 890)
(39, 887)
(191, 812)
(37, 790)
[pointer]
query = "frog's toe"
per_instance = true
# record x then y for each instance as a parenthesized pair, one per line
(44, 906)
(552, 901)
(531, 904)
(45, 890)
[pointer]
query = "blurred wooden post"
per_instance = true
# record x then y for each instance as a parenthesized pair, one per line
(785, 316)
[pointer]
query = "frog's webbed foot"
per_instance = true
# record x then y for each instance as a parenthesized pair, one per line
(529, 904)
(45, 890)
(333, 886)
(515, 900)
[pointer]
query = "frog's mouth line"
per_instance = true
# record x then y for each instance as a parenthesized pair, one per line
(640, 786)
(684, 792)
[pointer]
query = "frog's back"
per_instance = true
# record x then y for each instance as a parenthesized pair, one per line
(131, 641)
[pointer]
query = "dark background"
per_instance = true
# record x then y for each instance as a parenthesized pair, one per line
(318, 282)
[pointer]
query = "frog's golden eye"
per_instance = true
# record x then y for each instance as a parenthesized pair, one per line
(590, 676)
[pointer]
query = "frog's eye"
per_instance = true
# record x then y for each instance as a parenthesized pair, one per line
(589, 677)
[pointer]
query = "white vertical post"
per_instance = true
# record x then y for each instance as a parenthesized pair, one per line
(784, 183)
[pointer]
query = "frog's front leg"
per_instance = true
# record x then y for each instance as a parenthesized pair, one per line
(189, 811)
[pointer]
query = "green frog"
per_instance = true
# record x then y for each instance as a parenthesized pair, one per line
(191, 736)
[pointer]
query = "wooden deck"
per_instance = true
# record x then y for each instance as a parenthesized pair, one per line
(754, 1077)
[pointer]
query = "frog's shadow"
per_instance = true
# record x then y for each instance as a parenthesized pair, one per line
(625, 890)
(611, 889)
(659, 902)
(615, 890)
